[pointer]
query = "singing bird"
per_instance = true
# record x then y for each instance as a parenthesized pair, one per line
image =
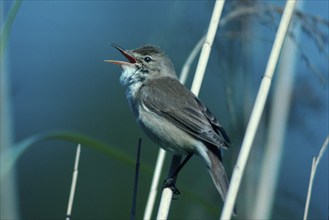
(170, 114)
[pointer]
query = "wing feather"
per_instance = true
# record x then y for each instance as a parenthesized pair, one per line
(187, 112)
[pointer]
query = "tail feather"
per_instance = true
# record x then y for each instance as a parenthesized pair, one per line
(218, 175)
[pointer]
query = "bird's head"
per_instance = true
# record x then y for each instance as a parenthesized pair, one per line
(145, 63)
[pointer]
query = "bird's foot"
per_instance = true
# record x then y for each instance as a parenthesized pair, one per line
(170, 183)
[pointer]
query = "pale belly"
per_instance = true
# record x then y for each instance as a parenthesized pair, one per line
(164, 133)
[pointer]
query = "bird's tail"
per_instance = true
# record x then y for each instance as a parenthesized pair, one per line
(218, 174)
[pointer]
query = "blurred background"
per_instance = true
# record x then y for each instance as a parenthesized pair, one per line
(55, 87)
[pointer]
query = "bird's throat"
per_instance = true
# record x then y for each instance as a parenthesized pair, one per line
(127, 75)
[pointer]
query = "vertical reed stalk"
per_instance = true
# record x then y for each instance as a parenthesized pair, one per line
(270, 167)
(8, 201)
(162, 153)
(257, 111)
(74, 183)
(196, 85)
(315, 163)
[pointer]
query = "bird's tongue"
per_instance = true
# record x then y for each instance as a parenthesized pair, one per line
(127, 55)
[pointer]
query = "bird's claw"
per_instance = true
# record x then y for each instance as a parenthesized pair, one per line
(170, 183)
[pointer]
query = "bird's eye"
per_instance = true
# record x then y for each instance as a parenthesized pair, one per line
(147, 59)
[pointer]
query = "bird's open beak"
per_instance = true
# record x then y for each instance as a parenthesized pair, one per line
(126, 54)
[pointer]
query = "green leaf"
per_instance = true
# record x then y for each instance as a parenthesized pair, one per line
(10, 156)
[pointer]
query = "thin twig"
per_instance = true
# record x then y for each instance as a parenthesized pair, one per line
(133, 207)
(257, 111)
(74, 183)
(315, 163)
(196, 85)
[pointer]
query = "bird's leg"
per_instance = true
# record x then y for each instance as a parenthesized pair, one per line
(171, 179)
(187, 158)
(175, 167)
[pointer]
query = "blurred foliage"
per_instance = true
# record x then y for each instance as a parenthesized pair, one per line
(60, 82)
(6, 26)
